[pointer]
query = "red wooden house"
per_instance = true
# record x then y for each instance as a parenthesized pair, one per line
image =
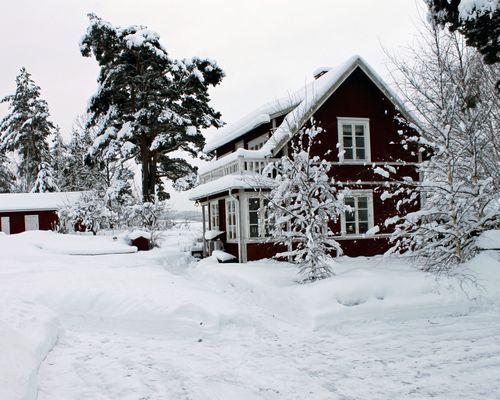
(365, 126)
(21, 212)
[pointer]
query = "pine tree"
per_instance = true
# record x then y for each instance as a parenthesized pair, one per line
(58, 159)
(477, 20)
(301, 205)
(78, 175)
(7, 179)
(452, 93)
(148, 104)
(26, 128)
(45, 181)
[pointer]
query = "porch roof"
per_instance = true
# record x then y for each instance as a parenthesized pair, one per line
(230, 182)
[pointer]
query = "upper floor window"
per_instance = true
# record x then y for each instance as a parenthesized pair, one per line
(258, 142)
(214, 216)
(354, 139)
(359, 219)
(258, 223)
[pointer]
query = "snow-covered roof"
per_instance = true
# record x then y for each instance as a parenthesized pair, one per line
(300, 106)
(212, 234)
(260, 116)
(36, 201)
(234, 182)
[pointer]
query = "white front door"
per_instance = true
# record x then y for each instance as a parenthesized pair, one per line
(31, 223)
(6, 225)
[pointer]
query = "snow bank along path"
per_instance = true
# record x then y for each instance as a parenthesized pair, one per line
(157, 325)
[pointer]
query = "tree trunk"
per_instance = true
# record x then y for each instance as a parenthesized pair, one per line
(148, 160)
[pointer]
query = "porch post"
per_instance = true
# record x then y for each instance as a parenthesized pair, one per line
(204, 228)
(242, 254)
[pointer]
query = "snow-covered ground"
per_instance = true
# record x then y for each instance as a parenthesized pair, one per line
(159, 325)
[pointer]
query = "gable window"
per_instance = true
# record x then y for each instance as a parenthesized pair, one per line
(214, 216)
(232, 232)
(257, 143)
(258, 224)
(359, 219)
(354, 139)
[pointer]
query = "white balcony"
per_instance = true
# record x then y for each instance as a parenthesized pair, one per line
(234, 165)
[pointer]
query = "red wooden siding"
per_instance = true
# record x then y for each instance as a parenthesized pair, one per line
(257, 251)
(359, 97)
(47, 220)
(232, 248)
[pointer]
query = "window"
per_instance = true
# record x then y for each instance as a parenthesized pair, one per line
(258, 223)
(214, 216)
(232, 232)
(257, 143)
(360, 219)
(31, 222)
(354, 138)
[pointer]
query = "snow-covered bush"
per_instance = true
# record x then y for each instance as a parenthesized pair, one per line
(152, 216)
(89, 212)
(301, 205)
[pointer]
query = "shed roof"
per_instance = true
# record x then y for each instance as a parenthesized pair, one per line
(36, 201)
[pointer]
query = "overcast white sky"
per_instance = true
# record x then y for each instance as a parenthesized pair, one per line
(266, 48)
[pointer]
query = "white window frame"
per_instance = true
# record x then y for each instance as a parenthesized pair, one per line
(356, 194)
(231, 228)
(214, 216)
(261, 219)
(366, 134)
(258, 142)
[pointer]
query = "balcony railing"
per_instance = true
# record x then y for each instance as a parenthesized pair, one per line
(241, 165)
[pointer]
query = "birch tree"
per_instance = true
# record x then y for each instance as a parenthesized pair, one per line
(452, 94)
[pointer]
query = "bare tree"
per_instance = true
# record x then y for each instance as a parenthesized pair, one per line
(451, 92)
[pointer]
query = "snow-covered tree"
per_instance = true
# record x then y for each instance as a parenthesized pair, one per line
(477, 20)
(452, 93)
(152, 216)
(45, 181)
(90, 211)
(58, 158)
(7, 179)
(302, 205)
(78, 175)
(26, 129)
(148, 104)
(110, 178)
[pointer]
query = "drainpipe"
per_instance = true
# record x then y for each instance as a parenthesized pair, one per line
(238, 226)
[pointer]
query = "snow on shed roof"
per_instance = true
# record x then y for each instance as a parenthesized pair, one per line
(36, 201)
(300, 106)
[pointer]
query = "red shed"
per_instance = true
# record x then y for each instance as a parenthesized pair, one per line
(21, 212)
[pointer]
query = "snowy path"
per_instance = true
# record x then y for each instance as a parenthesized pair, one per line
(158, 326)
(417, 360)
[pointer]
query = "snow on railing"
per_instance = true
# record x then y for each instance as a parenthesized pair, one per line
(240, 165)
